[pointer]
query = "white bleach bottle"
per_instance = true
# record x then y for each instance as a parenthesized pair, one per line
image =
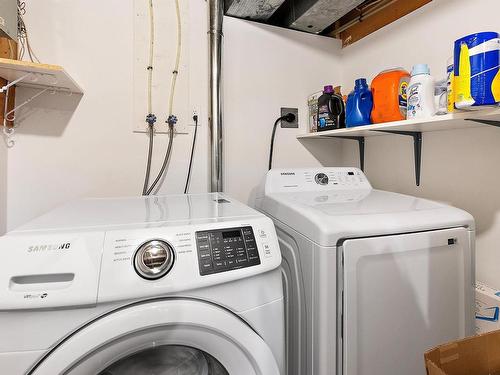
(421, 102)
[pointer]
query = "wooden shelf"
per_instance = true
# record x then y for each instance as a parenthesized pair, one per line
(458, 120)
(411, 128)
(41, 78)
(36, 75)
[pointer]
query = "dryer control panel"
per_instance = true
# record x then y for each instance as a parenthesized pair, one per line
(315, 179)
(226, 249)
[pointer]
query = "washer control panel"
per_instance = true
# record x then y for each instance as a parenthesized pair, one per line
(226, 249)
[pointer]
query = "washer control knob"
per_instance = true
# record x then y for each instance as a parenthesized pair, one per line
(153, 259)
(321, 179)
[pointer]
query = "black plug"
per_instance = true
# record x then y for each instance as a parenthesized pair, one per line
(289, 117)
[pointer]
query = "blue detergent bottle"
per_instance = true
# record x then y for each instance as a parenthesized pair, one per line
(359, 104)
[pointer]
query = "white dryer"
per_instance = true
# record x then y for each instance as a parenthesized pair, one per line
(186, 284)
(372, 278)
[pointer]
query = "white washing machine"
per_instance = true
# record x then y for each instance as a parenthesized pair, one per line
(186, 284)
(372, 278)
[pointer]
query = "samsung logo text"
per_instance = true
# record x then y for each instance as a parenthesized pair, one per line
(53, 247)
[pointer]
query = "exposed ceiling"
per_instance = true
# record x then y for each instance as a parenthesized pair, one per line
(312, 16)
(349, 20)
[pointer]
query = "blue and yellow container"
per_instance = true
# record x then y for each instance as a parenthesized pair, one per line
(476, 63)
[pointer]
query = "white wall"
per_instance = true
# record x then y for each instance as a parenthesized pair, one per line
(266, 68)
(68, 148)
(63, 153)
(459, 166)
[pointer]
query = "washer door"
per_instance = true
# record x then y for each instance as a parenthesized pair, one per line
(159, 338)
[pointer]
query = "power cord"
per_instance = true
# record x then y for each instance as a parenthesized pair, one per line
(289, 117)
(186, 188)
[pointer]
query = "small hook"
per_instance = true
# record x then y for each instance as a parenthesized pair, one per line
(10, 142)
(9, 136)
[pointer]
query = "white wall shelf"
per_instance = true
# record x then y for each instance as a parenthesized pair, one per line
(43, 78)
(412, 128)
(35, 75)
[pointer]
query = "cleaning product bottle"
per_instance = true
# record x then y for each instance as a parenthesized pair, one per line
(389, 90)
(359, 104)
(476, 67)
(331, 111)
(421, 93)
(450, 77)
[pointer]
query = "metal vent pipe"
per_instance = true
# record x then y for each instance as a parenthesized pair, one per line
(215, 36)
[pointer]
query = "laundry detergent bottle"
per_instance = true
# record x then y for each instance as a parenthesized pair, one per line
(359, 104)
(389, 95)
(331, 110)
(421, 102)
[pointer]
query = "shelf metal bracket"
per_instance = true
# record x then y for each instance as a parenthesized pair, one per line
(31, 76)
(10, 115)
(12, 83)
(486, 122)
(417, 148)
(361, 144)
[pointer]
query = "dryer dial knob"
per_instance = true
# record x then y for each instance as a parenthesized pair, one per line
(153, 259)
(321, 179)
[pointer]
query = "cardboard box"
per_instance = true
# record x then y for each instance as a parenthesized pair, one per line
(479, 355)
(487, 308)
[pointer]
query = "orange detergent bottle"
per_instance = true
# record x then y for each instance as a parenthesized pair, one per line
(389, 95)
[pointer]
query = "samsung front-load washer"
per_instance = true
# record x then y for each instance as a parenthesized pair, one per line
(186, 284)
(372, 278)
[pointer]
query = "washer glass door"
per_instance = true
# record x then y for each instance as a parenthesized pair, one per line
(162, 337)
(167, 359)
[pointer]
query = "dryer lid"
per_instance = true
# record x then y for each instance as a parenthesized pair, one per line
(349, 208)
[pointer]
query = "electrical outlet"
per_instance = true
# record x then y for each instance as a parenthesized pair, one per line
(195, 113)
(293, 124)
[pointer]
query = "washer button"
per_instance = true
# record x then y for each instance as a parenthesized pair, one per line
(267, 250)
(206, 264)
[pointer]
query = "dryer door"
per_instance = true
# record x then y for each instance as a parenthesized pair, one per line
(162, 337)
(403, 295)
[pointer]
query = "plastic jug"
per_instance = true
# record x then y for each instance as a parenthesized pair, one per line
(477, 70)
(359, 104)
(421, 102)
(389, 95)
(331, 110)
